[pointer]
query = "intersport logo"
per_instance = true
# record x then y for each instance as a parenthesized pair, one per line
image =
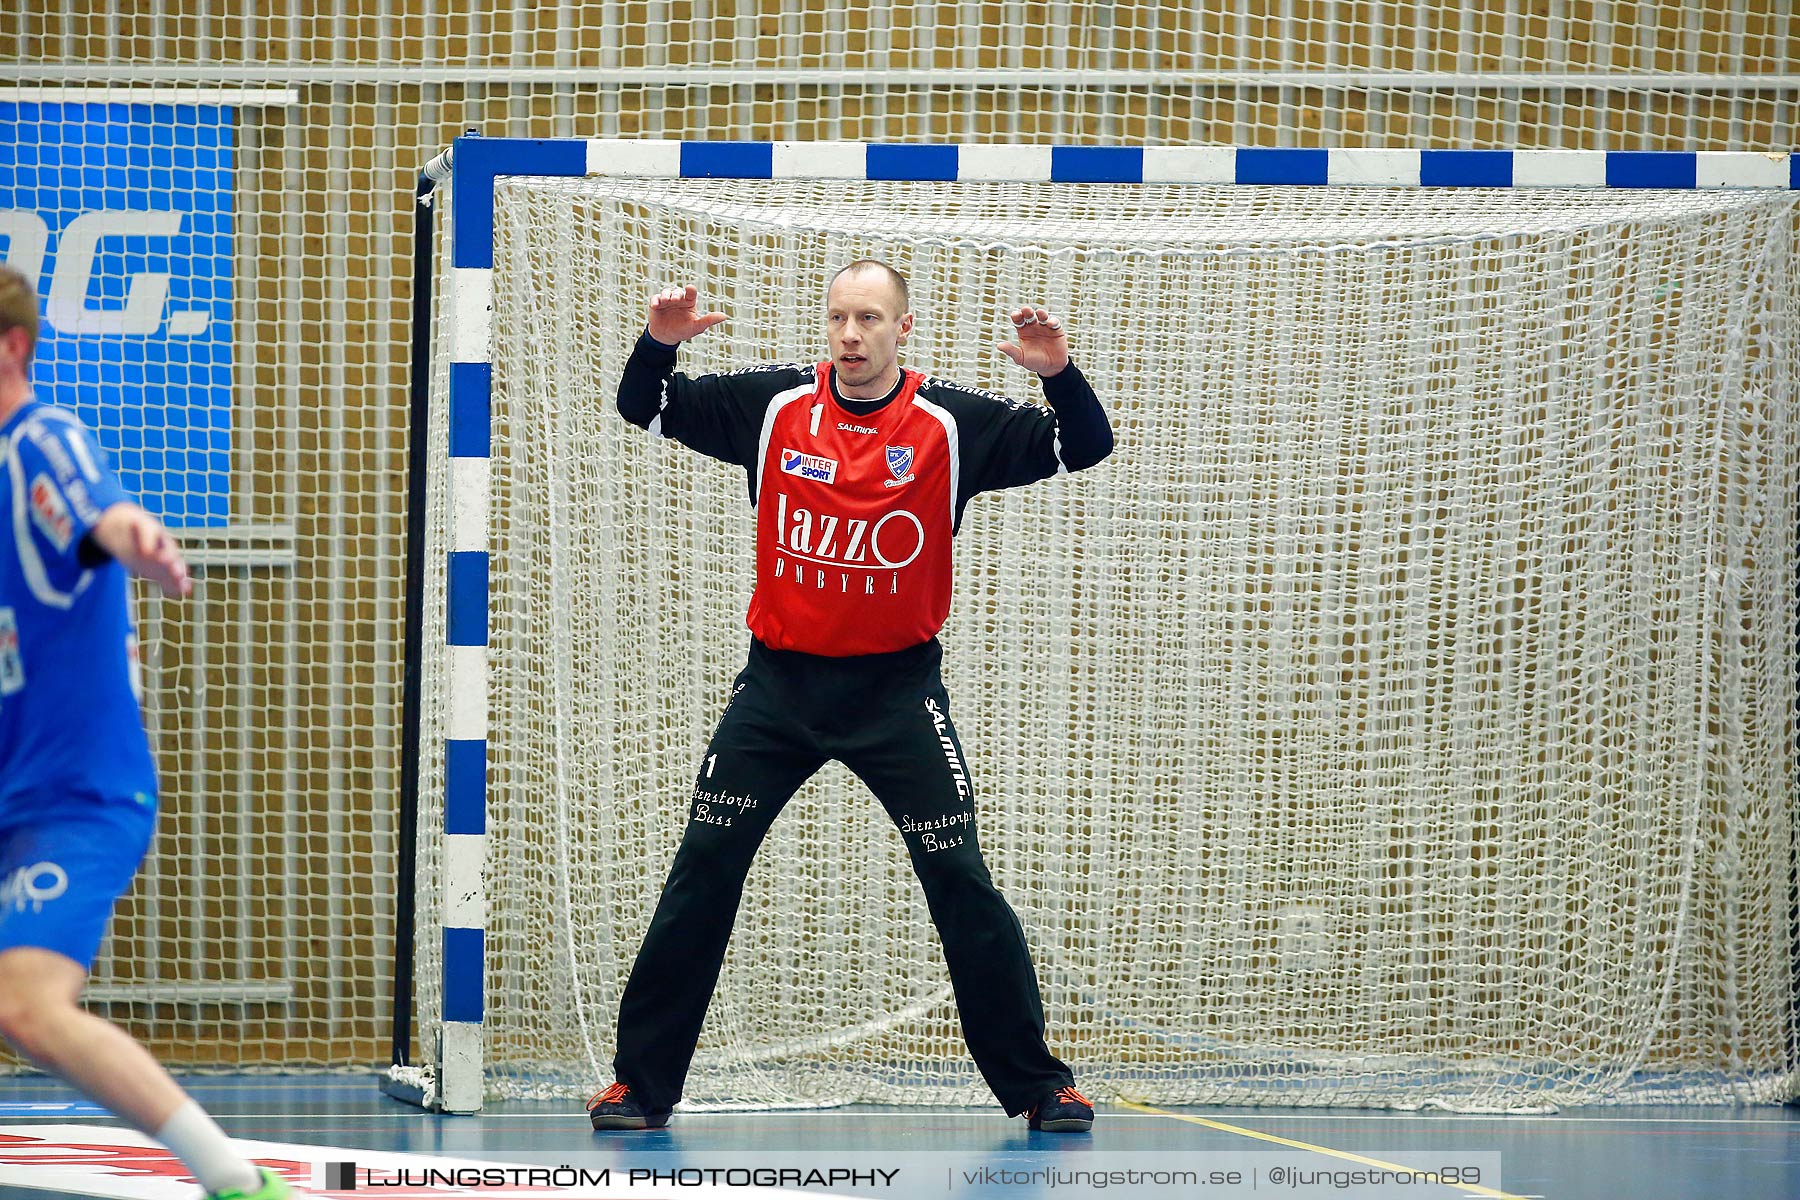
(809, 466)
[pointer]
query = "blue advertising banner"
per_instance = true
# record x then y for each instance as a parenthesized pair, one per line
(123, 215)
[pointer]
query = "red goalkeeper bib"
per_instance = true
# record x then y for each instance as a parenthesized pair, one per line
(853, 522)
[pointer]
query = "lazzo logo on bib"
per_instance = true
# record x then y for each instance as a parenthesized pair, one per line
(809, 466)
(890, 543)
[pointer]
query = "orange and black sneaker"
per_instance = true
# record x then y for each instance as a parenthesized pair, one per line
(617, 1108)
(1064, 1111)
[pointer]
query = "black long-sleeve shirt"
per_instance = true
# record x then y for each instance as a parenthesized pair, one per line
(1001, 442)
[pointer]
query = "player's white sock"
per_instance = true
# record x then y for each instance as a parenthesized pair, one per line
(198, 1142)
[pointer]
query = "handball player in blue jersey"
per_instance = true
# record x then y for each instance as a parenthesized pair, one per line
(77, 783)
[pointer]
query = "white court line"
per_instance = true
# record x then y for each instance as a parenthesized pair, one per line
(1516, 1119)
(1466, 1189)
(835, 1114)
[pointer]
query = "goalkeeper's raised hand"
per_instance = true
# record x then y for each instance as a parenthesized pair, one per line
(1042, 347)
(672, 316)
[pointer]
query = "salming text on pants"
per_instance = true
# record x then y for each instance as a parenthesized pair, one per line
(886, 717)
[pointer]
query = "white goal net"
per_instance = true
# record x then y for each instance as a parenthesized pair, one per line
(1403, 715)
(239, 334)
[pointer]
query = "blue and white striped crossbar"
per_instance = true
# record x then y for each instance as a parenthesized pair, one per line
(476, 160)
(473, 164)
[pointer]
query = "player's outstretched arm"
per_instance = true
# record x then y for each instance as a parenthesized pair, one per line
(139, 541)
(673, 319)
(1043, 345)
(718, 415)
(1007, 444)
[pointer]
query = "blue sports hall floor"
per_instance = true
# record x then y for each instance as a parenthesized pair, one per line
(53, 1144)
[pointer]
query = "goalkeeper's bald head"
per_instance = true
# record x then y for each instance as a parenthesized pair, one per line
(874, 265)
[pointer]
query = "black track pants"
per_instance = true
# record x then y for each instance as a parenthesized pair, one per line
(886, 717)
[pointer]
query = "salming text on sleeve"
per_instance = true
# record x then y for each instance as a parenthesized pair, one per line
(719, 415)
(1006, 443)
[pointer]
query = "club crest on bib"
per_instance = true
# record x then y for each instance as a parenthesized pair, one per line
(900, 462)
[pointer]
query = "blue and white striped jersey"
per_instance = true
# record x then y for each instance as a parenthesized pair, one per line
(69, 715)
